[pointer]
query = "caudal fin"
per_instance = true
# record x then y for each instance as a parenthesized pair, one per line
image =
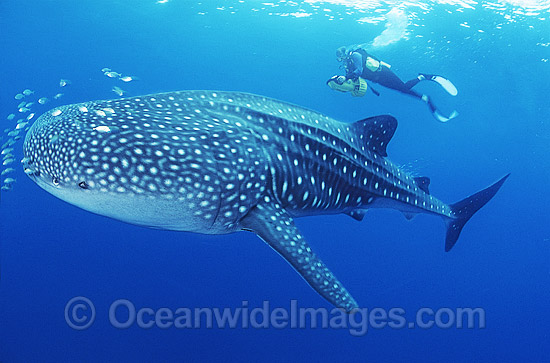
(465, 209)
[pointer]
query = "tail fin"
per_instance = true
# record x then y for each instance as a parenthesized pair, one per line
(465, 209)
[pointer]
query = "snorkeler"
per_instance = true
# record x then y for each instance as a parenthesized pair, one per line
(360, 65)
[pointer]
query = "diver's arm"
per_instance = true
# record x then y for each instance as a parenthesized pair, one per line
(357, 61)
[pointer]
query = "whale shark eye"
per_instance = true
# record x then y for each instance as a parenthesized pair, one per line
(55, 181)
(83, 185)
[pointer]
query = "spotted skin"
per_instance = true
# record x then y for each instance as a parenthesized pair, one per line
(190, 172)
(220, 162)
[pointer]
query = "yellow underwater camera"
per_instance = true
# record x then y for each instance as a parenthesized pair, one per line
(357, 88)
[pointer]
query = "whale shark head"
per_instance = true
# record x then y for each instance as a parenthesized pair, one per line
(150, 161)
(54, 152)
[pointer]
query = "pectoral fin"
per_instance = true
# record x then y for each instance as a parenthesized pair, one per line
(276, 227)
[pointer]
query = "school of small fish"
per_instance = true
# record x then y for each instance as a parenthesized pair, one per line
(108, 72)
(21, 121)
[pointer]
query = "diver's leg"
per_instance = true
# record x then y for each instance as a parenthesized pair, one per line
(387, 78)
(413, 82)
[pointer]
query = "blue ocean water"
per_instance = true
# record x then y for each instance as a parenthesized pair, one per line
(497, 54)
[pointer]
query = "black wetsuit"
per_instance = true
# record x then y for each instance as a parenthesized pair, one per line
(356, 67)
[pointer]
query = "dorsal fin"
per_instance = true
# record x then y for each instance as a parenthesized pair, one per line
(423, 183)
(376, 132)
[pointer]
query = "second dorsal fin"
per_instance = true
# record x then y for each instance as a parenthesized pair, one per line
(423, 183)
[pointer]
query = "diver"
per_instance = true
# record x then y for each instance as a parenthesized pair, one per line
(360, 65)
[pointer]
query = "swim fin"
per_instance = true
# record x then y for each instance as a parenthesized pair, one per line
(439, 117)
(446, 84)
(443, 82)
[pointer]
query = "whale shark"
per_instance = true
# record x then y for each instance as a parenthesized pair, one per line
(218, 162)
